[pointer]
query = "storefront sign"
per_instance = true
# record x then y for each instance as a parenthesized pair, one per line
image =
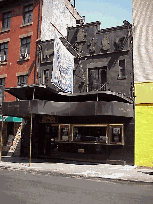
(80, 150)
(49, 119)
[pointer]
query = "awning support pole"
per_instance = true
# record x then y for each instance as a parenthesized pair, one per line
(33, 93)
(30, 142)
(1, 140)
(97, 97)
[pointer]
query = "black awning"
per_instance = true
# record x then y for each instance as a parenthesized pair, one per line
(87, 108)
(29, 92)
(107, 96)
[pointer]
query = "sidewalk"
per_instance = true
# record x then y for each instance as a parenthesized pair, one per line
(84, 169)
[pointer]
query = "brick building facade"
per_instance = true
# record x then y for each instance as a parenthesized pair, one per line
(22, 23)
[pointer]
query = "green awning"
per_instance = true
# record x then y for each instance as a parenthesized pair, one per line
(10, 119)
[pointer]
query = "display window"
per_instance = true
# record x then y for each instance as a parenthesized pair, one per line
(89, 133)
(116, 134)
(64, 132)
(96, 133)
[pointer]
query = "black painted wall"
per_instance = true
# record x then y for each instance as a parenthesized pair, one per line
(100, 49)
(102, 152)
(97, 49)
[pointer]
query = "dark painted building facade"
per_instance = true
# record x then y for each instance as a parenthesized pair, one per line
(96, 122)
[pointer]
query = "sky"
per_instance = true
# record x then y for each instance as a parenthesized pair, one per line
(110, 13)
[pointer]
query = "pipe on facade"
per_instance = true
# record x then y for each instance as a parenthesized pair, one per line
(38, 36)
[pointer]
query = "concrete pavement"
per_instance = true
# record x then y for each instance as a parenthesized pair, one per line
(79, 169)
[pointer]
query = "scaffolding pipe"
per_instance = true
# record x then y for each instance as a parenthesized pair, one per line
(1, 140)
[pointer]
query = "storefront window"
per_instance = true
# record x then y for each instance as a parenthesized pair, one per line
(98, 133)
(116, 134)
(90, 133)
(64, 132)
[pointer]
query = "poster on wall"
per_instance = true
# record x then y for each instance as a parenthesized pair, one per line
(63, 65)
(64, 132)
(116, 131)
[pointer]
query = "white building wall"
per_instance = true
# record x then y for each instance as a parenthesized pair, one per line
(143, 40)
(56, 12)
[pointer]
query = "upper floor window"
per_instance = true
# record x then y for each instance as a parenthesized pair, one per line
(25, 47)
(122, 68)
(97, 79)
(2, 81)
(22, 80)
(6, 19)
(46, 76)
(27, 14)
(3, 51)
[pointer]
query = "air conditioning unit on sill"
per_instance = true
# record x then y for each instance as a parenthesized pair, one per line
(2, 58)
(24, 55)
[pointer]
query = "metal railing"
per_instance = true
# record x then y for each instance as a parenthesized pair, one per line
(98, 87)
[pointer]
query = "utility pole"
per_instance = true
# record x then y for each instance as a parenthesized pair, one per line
(30, 142)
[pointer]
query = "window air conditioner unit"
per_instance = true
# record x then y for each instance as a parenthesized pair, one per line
(2, 58)
(24, 55)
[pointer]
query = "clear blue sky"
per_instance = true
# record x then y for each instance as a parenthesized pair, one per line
(110, 13)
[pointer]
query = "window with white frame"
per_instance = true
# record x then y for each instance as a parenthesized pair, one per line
(3, 51)
(22, 80)
(27, 14)
(6, 19)
(25, 47)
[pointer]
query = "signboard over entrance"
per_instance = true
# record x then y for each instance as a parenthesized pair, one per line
(49, 119)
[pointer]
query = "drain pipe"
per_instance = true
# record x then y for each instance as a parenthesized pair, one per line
(38, 36)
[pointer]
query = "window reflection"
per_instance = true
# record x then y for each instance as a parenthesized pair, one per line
(87, 133)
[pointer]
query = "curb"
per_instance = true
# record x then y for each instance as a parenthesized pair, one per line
(28, 169)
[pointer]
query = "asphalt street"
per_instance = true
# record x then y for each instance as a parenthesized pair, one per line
(21, 187)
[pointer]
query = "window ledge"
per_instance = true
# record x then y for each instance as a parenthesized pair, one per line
(26, 24)
(89, 142)
(114, 143)
(23, 60)
(3, 63)
(4, 30)
(121, 78)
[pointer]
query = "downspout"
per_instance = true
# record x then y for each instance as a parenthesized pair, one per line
(38, 36)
